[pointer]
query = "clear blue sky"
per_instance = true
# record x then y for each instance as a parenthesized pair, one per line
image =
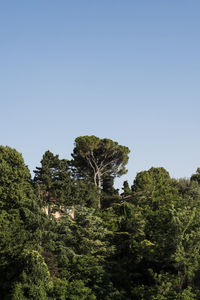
(126, 70)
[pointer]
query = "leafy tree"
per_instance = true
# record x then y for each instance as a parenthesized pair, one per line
(93, 248)
(189, 190)
(187, 238)
(155, 193)
(85, 193)
(73, 290)
(58, 189)
(126, 189)
(130, 243)
(13, 237)
(196, 176)
(171, 213)
(20, 216)
(91, 233)
(15, 185)
(154, 187)
(109, 194)
(34, 281)
(81, 247)
(54, 180)
(108, 185)
(96, 158)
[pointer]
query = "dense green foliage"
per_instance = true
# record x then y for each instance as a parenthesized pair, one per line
(56, 242)
(96, 158)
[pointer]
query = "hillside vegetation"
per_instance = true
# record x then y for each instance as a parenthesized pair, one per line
(68, 233)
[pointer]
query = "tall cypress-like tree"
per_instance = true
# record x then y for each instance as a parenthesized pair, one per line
(54, 180)
(126, 189)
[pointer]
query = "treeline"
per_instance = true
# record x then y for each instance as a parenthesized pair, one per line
(68, 233)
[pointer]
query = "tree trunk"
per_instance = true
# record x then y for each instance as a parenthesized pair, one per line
(99, 189)
(97, 182)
